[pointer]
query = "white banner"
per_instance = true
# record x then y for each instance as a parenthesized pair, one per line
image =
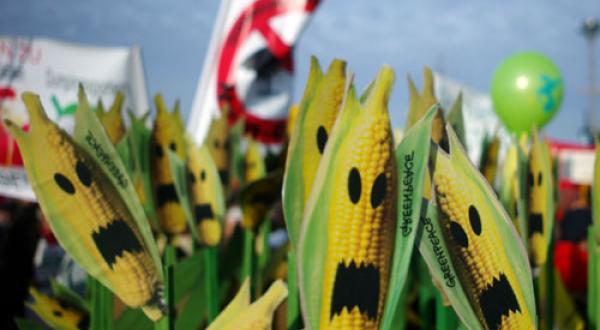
(53, 69)
(249, 66)
(478, 113)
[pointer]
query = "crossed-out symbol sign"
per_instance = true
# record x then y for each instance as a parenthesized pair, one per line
(276, 57)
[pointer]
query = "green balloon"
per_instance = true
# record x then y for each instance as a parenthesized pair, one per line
(527, 90)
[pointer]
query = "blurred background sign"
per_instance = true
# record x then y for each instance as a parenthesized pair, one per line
(53, 69)
(248, 68)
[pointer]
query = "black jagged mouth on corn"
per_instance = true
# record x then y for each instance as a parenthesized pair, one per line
(536, 224)
(203, 212)
(166, 193)
(496, 300)
(114, 240)
(356, 286)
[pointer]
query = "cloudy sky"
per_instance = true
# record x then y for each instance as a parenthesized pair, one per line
(465, 40)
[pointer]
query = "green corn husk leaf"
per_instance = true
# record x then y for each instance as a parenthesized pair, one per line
(522, 202)
(449, 284)
(494, 215)
(593, 307)
(596, 194)
(509, 193)
(139, 140)
(69, 296)
(456, 119)
(189, 289)
(316, 115)
(236, 135)
(412, 156)
(488, 161)
(179, 173)
(27, 324)
(88, 129)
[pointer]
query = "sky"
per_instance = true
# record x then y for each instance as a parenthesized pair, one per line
(465, 40)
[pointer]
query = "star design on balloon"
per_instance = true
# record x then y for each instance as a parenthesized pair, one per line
(549, 84)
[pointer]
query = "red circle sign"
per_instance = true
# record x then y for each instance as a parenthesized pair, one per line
(276, 57)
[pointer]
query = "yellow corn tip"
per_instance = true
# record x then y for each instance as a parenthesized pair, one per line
(419, 103)
(259, 315)
(255, 165)
(55, 314)
(321, 111)
(491, 160)
(167, 135)
(111, 120)
(238, 304)
(76, 194)
(361, 220)
(202, 187)
(218, 143)
(539, 186)
(475, 247)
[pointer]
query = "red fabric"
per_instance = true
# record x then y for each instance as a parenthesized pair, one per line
(47, 234)
(572, 264)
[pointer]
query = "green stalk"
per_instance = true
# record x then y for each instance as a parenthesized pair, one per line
(592, 281)
(247, 255)
(168, 322)
(550, 287)
(263, 258)
(101, 300)
(294, 321)
(445, 316)
(209, 257)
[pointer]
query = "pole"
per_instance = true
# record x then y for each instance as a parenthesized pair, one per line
(590, 30)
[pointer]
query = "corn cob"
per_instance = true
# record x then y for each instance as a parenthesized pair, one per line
(111, 119)
(476, 248)
(219, 145)
(206, 195)
(540, 205)
(167, 135)
(316, 115)
(86, 213)
(254, 162)
(57, 314)
(362, 215)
